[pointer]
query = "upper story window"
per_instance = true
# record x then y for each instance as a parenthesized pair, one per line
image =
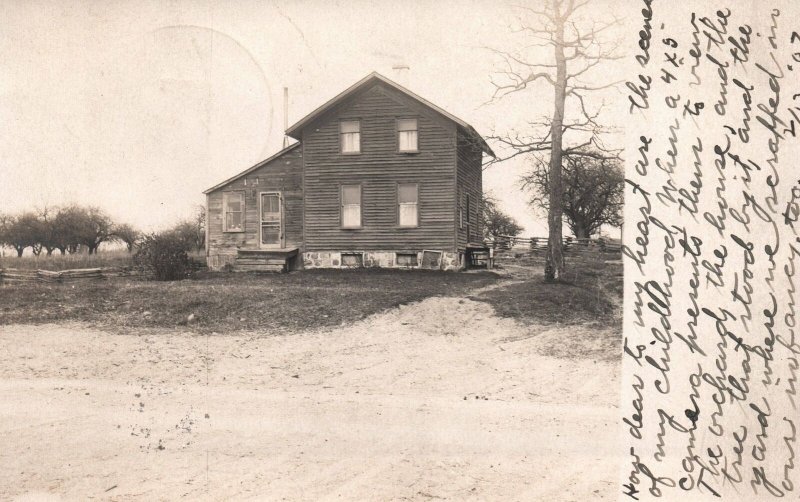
(350, 136)
(351, 206)
(408, 204)
(407, 135)
(233, 211)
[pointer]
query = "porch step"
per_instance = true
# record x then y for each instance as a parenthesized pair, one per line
(239, 267)
(271, 253)
(260, 261)
(264, 260)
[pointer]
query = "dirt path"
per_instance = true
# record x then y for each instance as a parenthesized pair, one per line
(439, 400)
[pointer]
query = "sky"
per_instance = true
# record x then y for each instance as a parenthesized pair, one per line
(137, 107)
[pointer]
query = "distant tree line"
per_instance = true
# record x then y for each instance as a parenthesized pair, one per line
(74, 228)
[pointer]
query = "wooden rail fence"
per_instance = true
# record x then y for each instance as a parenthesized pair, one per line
(17, 275)
(535, 244)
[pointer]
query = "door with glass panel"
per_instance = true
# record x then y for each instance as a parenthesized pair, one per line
(271, 211)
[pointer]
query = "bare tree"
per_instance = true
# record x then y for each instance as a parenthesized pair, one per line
(563, 45)
(192, 231)
(592, 192)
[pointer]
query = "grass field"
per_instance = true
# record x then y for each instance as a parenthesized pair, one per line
(68, 261)
(226, 302)
(116, 258)
(591, 293)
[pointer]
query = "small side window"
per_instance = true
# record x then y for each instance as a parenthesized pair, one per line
(233, 212)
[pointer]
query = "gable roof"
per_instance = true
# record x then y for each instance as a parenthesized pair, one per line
(250, 170)
(294, 130)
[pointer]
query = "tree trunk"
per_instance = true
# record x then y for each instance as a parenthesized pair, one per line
(19, 251)
(554, 268)
(581, 231)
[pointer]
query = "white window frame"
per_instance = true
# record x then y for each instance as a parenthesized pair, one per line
(401, 204)
(342, 136)
(400, 131)
(225, 212)
(360, 205)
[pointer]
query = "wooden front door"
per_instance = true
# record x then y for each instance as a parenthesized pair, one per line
(271, 227)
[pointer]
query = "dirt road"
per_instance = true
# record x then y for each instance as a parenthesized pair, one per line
(439, 400)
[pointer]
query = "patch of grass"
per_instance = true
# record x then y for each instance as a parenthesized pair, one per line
(229, 302)
(68, 261)
(591, 293)
(116, 258)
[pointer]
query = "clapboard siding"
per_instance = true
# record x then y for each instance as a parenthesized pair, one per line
(470, 181)
(379, 168)
(283, 174)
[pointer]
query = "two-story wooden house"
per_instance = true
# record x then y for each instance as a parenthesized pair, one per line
(379, 177)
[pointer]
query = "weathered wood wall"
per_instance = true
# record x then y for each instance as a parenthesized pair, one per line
(378, 168)
(470, 181)
(283, 174)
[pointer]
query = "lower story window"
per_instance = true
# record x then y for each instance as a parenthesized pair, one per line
(351, 206)
(233, 211)
(408, 204)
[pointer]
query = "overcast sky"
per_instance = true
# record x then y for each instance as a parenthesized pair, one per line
(137, 107)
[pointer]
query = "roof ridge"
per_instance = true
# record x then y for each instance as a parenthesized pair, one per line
(297, 126)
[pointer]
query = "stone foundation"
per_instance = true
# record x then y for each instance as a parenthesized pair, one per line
(381, 259)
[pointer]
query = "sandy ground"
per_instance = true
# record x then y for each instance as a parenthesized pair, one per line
(439, 400)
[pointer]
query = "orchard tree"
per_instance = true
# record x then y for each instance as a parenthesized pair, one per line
(592, 192)
(562, 48)
(5, 223)
(66, 228)
(24, 231)
(496, 222)
(127, 234)
(94, 228)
